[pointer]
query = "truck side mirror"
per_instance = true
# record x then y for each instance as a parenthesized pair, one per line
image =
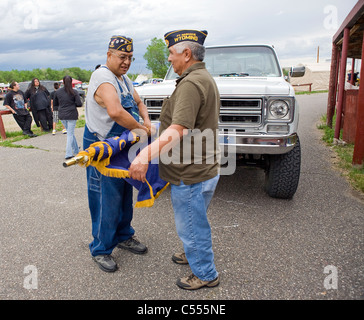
(297, 71)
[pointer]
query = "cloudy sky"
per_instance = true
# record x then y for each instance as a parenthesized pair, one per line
(60, 34)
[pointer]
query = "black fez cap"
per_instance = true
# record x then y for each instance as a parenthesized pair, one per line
(121, 43)
(178, 36)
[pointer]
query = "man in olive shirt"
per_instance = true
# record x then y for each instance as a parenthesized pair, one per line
(188, 154)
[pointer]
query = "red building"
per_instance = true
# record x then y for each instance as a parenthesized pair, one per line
(348, 43)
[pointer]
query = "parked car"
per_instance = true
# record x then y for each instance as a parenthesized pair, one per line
(149, 81)
(258, 119)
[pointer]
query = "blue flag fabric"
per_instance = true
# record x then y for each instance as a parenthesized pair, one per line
(111, 158)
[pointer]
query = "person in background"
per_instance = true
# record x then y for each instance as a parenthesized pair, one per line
(67, 100)
(40, 105)
(15, 102)
(55, 110)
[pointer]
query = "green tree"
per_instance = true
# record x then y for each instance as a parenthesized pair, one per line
(45, 74)
(157, 57)
(133, 76)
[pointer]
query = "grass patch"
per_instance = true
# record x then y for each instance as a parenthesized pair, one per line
(81, 122)
(12, 137)
(345, 156)
(16, 136)
(329, 133)
(310, 92)
(10, 144)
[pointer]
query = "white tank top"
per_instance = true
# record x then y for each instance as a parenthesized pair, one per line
(97, 118)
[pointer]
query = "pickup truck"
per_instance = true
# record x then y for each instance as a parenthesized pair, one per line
(258, 116)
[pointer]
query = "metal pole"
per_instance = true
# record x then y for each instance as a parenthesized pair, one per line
(75, 160)
(344, 56)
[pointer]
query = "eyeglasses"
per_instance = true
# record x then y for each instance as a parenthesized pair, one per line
(124, 57)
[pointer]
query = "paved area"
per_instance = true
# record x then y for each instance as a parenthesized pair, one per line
(264, 248)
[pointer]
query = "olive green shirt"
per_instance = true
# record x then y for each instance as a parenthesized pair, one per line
(195, 105)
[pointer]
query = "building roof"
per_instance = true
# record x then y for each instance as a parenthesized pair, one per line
(355, 22)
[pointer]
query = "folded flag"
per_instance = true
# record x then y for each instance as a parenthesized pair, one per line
(112, 158)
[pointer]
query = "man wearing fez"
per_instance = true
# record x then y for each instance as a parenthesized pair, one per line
(112, 106)
(193, 106)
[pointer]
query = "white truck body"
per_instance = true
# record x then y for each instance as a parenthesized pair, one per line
(259, 113)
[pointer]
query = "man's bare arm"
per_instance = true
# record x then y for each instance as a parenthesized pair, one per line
(10, 108)
(143, 111)
(107, 97)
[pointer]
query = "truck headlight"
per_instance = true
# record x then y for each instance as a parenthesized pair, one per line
(278, 109)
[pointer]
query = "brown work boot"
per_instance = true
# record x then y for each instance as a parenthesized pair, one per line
(193, 283)
(179, 258)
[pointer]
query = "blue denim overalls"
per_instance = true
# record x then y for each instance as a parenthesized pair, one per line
(110, 199)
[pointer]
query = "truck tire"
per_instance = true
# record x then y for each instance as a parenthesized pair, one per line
(283, 173)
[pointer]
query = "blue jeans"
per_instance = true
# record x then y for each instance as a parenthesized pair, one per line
(111, 207)
(72, 146)
(190, 204)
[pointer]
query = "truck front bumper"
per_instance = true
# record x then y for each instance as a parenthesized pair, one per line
(231, 143)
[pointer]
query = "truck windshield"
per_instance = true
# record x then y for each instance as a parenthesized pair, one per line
(245, 61)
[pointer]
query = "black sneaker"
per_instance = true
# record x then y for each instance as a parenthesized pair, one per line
(29, 134)
(133, 245)
(106, 263)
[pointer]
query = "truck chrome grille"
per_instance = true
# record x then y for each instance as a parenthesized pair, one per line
(232, 111)
(241, 111)
(154, 108)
